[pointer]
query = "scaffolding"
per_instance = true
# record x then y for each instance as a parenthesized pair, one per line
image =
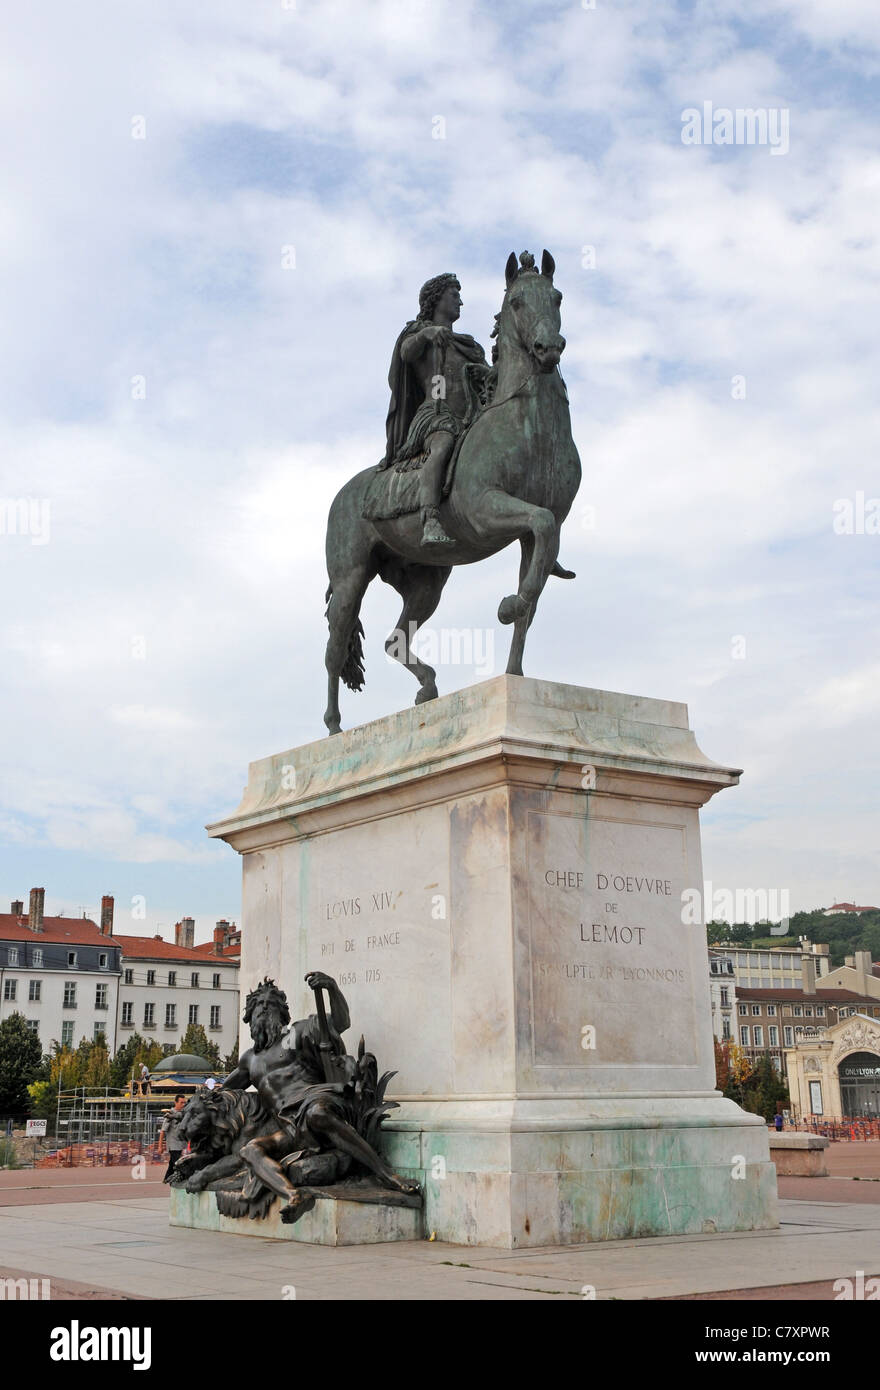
(106, 1122)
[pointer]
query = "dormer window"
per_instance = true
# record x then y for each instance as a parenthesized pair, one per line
(71, 960)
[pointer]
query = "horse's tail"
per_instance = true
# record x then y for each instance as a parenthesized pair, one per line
(352, 672)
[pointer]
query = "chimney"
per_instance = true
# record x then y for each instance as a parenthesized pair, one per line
(185, 931)
(808, 974)
(864, 970)
(219, 940)
(35, 916)
(106, 915)
(17, 908)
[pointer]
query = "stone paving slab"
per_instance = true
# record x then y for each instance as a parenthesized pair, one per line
(128, 1247)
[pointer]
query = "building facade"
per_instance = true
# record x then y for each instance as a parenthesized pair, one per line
(61, 973)
(833, 1071)
(778, 967)
(73, 979)
(771, 1020)
(722, 993)
(166, 986)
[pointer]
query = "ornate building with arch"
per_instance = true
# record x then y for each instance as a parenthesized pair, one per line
(834, 1071)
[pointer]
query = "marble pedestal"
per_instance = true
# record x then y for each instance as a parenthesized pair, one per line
(496, 881)
(329, 1222)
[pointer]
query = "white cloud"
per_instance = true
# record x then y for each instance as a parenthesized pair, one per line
(173, 628)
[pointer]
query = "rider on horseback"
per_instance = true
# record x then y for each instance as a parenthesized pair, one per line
(436, 381)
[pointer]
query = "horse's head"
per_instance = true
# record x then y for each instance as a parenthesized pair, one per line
(533, 304)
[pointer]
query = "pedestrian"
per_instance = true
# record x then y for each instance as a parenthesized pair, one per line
(169, 1136)
(145, 1078)
(777, 1120)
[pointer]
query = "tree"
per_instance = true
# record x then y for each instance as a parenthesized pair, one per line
(195, 1041)
(230, 1061)
(740, 1071)
(44, 1100)
(124, 1064)
(722, 1066)
(767, 1090)
(20, 1060)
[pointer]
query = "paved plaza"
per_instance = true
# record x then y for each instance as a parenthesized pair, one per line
(100, 1234)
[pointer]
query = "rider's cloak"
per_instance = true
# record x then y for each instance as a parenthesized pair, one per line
(406, 393)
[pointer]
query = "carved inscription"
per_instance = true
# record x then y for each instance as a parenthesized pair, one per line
(608, 948)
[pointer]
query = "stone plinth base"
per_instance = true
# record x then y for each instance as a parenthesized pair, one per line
(620, 1170)
(506, 883)
(799, 1155)
(328, 1222)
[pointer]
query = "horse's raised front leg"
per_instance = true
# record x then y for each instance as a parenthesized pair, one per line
(499, 513)
(420, 587)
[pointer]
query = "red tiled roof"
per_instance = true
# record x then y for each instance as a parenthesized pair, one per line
(81, 930)
(207, 949)
(155, 948)
(798, 996)
(850, 907)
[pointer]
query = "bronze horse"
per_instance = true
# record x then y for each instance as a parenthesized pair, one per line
(516, 477)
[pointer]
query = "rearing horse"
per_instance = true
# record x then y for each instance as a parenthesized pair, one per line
(515, 479)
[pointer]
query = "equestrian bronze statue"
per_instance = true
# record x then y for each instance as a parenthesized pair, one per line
(477, 456)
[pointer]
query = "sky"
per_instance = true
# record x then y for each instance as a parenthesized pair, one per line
(215, 219)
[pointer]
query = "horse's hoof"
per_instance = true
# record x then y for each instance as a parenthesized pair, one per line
(511, 608)
(427, 692)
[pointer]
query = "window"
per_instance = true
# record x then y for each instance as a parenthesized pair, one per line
(67, 1033)
(100, 996)
(193, 1013)
(759, 1036)
(773, 1036)
(744, 1036)
(9, 989)
(216, 979)
(215, 1015)
(820, 1010)
(151, 977)
(34, 991)
(170, 1015)
(808, 1011)
(788, 1036)
(172, 978)
(127, 1015)
(743, 1011)
(725, 1030)
(149, 1015)
(771, 1010)
(102, 960)
(37, 955)
(100, 1031)
(33, 1024)
(70, 994)
(128, 977)
(725, 996)
(194, 979)
(843, 1013)
(71, 960)
(12, 956)
(798, 1011)
(756, 1011)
